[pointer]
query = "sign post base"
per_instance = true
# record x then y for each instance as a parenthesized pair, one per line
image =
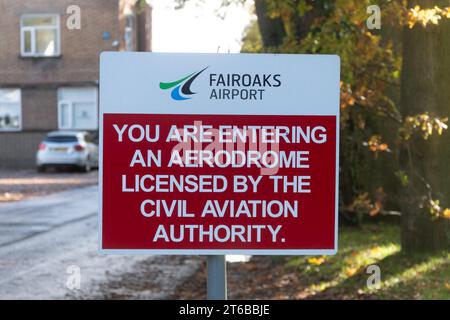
(217, 278)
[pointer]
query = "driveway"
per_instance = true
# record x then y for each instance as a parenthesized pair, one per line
(19, 184)
(43, 240)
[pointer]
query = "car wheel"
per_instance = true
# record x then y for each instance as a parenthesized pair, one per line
(40, 169)
(87, 166)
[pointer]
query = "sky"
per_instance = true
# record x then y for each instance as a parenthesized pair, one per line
(198, 27)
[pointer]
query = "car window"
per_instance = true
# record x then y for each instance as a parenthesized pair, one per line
(61, 139)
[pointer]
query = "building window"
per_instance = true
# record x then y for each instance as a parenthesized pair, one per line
(10, 110)
(39, 35)
(129, 33)
(77, 108)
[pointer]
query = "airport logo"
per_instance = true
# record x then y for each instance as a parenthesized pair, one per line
(181, 89)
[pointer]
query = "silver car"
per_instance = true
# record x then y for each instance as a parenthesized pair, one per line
(67, 148)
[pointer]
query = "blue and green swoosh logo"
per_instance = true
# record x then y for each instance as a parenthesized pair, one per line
(181, 89)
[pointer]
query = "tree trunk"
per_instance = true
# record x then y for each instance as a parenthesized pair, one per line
(426, 87)
(302, 24)
(272, 30)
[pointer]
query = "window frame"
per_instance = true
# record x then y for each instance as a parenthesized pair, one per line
(20, 127)
(32, 30)
(130, 32)
(70, 104)
(60, 114)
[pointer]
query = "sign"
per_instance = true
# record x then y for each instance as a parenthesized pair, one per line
(218, 153)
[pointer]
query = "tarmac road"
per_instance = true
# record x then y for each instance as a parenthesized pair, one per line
(44, 240)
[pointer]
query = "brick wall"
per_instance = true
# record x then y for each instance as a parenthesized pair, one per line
(39, 109)
(18, 149)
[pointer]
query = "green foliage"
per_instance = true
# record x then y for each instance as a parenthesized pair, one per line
(423, 124)
(403, 177)
(251, 40)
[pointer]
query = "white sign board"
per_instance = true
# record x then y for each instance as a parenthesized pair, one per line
(219, 153)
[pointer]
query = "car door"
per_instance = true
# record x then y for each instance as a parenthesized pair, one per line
(93, 149)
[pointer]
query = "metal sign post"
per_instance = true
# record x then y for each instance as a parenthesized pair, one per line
(217, 277)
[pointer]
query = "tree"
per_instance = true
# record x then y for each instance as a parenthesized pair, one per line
(425, 90)
(271, 28)
(251, 39)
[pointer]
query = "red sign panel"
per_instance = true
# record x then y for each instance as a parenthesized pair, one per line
(219, 183)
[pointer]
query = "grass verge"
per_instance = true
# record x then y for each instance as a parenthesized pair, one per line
(346, 275)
